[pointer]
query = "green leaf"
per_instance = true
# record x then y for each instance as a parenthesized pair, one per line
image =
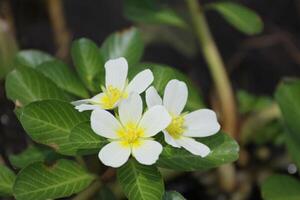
(63, 77)
(105, 193)
(31, 155)
(140, 182)
(25, 85)
(50, 122)
(223, 150)
(288, 98)
(127, 43)
(7, 179)
(89, 63)
(32, 58)
(41, 182)
(85, 140)
(173, 195)
(241, 17)
(163, 74)
(148, 11)
(281, 187)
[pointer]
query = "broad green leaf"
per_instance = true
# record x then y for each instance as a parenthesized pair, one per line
(25, 85)
(31, 58)
(31, 155)
(41, 182)
(140, 182)
(163, 74)
(241, 17)
(173, 195)
(85, 140)
(223, 150)
(7, 179)
(281, 187)
(63, 77)
(127, 43)
(89, 63)
(149, 11)
(50, 122)
(288, 98)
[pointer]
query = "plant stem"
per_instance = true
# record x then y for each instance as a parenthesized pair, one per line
(89, 192)
(216, 67)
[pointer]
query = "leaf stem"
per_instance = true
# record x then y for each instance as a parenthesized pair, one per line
(216, 67)
(90, 191)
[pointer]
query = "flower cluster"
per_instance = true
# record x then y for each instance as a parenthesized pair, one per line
(130, 131)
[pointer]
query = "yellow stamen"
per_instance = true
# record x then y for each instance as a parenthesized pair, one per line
(176, 128)
(131, 135)
(111, 96)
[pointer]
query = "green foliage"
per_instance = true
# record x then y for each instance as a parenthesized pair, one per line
(89, 63)
(31, 58)
(41, 182)
(105, 193)
(281, 187)
(148, 11)
(50, 122)
(223, 150)
(7, 178)
(173, 195)
(25, 85)
(63, 77)
(127, 43)
(242, 18)
(140, 182)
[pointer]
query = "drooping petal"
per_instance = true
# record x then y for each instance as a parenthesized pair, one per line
(79, 102)
(169, 140)
(116, 73)
(140, 82)
(114, 154)
(175, 96)
(201, 123)
(97, 98)
(155, 120)
(104, 124)
(85, 107)
(147, 152)
(193, 146)
(152, 97)
(131, 109)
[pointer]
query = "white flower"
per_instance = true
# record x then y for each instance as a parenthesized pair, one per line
(131, 133)
(184, 126)
(116, 86)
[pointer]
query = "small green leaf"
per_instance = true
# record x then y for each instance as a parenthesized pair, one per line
(32, 58)
(140, 182)
(148, 11)
(89, 63)
(85, 140)
(223, 150)
(63, 77)
(281, 187)
(173, 195)
(7, 179)
(41, 182)
(242, 18)
(31, 155)
(26, 85)
(127, 43)
(50, 122)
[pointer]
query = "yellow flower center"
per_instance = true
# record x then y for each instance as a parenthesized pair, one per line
(130, 135)
(111, 96)
(176, 127)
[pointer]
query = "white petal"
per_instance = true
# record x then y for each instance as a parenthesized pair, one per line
(116, 73)
(169, 140)
(201, 123)
(79, 102)
(175, 96)
(155, 120)
(114, 154)
(97, 98)
(104, 124)
(140, 82)
(84, 107)
(148, 152)
(131, 109)
(193, 146)
(152, 97)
